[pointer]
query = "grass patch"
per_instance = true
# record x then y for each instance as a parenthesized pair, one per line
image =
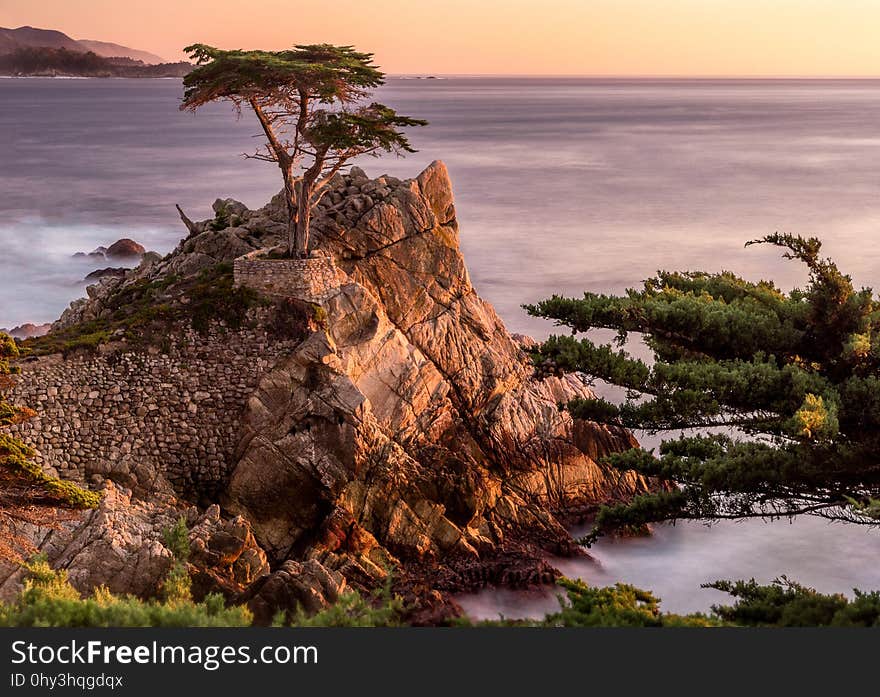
(144, 313)
(48, 600)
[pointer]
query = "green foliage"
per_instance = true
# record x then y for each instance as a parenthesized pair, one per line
(16, 457)
(796, 375)
(319, 316)
(48, 600)
(214, 298)
(177, 586)
(146, 311)
(620, 605)
(8, 352)
(176, 539)
(785, 603)
(328, 72)
(43, 60)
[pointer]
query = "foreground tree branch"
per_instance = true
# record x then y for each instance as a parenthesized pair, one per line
(797, 375)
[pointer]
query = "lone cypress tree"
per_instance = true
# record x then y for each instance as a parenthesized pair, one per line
(311, 102)
(776, 395)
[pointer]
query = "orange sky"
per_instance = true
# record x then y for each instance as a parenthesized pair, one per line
(579, 37)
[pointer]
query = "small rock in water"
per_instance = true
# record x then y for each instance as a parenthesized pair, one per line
(118, 272)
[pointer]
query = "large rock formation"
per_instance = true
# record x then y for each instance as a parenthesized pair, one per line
(410, 429)
(406, 430)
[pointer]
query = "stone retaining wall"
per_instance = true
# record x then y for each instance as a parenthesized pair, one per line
(310, 280)
(177, 413)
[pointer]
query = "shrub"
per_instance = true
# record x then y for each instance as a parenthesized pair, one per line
(177, 586)
(48, 600)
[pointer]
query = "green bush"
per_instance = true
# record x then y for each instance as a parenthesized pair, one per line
(785, 603)
(48, 600)
(146, 311)
(177, 586)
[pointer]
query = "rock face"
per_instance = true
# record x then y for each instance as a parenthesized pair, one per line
(410, 429)
(406, 430)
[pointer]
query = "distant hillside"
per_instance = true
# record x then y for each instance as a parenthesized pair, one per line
(41, 61)
(109, 50)
(30, 37)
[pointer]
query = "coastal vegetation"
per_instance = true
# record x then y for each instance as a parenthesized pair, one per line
(775, 394)
(45, 61)
(16, 456)
(27, 494)
(311, 103)
(47, 599)
(144, 311)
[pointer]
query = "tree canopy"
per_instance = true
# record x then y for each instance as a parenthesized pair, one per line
(775, 396)
(312, 103)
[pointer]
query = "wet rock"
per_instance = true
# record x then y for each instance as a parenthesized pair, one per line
(98, 274)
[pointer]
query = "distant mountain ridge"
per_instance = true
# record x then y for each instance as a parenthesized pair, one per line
(12, 40)
(105, 49)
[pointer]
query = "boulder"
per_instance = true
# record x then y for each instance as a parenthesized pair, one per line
(125, 249)
(306, 586)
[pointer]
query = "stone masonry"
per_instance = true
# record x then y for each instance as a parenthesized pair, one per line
(105, 414)
(310, 280)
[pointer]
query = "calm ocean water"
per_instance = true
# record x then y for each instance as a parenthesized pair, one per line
(563, 185)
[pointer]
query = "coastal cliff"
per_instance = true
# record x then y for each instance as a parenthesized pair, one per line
(376, 415)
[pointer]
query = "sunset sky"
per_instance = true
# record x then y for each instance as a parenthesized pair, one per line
(555, 37)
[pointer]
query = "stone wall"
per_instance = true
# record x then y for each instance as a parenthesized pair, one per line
(176, 413)
(310, 280)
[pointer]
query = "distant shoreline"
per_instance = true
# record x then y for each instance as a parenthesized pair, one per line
(50, 62)
(91, 77)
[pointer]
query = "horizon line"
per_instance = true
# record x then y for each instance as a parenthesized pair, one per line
(636, 76)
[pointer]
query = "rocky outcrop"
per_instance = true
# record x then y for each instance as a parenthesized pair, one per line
(406, 431)
(120, 546)
(413, 415)
(307, 586)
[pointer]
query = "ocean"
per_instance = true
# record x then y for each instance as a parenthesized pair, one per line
(562, 185)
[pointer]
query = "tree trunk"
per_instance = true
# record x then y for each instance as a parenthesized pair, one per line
(290, 200)
(302, 232)
(303, 218)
